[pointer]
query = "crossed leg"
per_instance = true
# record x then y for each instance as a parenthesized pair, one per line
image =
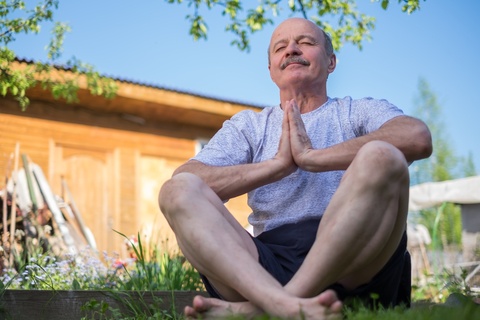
(359, 232)
(218, 247)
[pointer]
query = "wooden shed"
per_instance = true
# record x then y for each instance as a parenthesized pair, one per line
(115, 154)
(464, 192)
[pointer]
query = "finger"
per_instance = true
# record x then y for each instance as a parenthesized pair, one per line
(285, 137)
(285, 116)
(298, 133)
(287, 105)
(295, 117)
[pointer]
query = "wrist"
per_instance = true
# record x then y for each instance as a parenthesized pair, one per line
(309, 160)
(278, 169)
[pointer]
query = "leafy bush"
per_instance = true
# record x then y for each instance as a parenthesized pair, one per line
(86, 271)
(160, 271)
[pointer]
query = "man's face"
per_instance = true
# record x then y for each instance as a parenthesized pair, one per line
(297, 55)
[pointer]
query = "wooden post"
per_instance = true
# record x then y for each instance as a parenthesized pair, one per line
(4, 241)
(5, 199)
(13, 209)
(28, 175)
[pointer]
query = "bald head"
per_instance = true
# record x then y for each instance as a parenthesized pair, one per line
(322, 35)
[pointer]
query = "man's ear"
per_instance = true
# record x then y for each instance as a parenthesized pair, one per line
(333, 63)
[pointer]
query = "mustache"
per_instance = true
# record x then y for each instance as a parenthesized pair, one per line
(294, 59)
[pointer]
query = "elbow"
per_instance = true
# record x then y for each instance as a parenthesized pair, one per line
(178, 170)
(423, 143)
(188, 166)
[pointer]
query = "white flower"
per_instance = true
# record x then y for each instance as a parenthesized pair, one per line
(47, 229)
(19, 234)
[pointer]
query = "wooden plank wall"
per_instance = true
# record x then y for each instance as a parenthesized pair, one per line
(114, 170)
(98, 163)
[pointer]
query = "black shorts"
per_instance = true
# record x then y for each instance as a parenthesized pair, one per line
(282, 251)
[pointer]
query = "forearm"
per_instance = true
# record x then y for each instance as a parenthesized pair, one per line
(232, 181)
(408, 134)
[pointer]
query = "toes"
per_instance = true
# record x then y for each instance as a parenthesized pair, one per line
(189, 312)
(336, 306)
(200, 304)
(328, 298)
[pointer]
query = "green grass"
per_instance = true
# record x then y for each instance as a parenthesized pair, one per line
(447, 296)
(438, 312)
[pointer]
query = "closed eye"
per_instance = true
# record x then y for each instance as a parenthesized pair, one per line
(307, 39)
(307, 42)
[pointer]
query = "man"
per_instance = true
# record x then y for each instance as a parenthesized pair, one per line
(328, 184)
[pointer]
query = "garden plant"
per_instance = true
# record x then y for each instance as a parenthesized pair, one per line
(442, 296)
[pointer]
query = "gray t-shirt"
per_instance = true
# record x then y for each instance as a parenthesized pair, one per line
(251, 137)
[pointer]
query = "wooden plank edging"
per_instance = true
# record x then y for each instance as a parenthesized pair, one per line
(66, 304)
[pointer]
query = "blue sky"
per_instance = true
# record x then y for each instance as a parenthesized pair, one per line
(147, 41)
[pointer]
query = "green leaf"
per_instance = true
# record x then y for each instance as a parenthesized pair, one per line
(4, 88)
(385, 4)
(291, 4)
(76, 285)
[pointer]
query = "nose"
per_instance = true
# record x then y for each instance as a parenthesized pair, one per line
(292, 49)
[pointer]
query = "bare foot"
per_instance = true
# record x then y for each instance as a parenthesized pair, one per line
(211, 308)
(324, 306)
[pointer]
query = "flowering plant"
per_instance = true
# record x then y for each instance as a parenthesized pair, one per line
(88, 271)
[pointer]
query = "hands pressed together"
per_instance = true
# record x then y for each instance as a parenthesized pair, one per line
(295, 148)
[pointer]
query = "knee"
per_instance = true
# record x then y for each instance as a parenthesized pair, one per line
(381, 161)
(178, 191)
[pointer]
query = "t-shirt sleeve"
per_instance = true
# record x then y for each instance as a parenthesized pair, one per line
(232, 144)
(368, 115)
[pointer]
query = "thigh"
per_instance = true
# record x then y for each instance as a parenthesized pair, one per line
(281, 251)
(371, 205)
(389, 287)
(266, 259)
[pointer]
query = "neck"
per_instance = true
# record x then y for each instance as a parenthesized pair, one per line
(306, 101)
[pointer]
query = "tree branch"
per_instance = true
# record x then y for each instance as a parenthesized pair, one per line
(302, 8)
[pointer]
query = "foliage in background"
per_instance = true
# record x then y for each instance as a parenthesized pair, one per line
(153, 269)
(469, 166)
(86, 271)
(17, 18)
(129, 281)
(436, 288)
(340, 18)
(443, 164)
(463, 310)
(159, 270)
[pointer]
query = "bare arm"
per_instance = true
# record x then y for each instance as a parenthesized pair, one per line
(232, 181)
(409, 135)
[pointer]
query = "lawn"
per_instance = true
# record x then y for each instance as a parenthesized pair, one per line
(443, 296)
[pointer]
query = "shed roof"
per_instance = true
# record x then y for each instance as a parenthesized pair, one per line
(146, 101)
(430, 194)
